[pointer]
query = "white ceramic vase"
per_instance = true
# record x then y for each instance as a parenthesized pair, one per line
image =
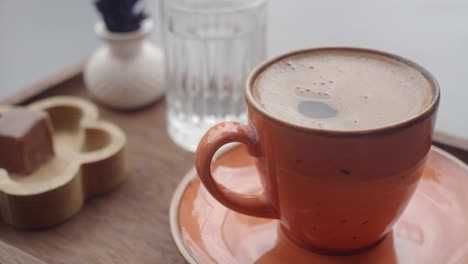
(128, 71)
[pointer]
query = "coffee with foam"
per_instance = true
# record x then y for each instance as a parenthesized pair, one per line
(342, 90)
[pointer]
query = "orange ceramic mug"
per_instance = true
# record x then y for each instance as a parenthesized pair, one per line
(335, 191)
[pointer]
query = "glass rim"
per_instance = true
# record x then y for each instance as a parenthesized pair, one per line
(246, 5)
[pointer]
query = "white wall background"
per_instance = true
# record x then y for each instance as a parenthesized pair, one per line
(41, 37)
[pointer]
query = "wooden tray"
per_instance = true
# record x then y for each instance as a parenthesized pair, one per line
(131, 224)
(89, 160)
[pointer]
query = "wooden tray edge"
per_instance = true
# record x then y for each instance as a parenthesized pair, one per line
(451, 140)
(41, 86)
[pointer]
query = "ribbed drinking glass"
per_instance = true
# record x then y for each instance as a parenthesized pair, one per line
(210, 47)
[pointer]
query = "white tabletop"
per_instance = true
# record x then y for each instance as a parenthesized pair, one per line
(41, 37)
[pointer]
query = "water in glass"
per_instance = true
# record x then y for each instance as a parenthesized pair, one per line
(211, 46)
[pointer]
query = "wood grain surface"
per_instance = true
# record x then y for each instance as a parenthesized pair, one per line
(12, 255)
(130, 224)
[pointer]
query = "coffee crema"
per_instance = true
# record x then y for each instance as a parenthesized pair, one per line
(342, 90)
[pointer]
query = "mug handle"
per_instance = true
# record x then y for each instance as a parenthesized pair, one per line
(216, 137)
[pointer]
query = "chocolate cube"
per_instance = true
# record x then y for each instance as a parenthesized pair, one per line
(25, 140)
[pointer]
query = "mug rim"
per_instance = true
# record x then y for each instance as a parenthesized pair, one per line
(427, 112)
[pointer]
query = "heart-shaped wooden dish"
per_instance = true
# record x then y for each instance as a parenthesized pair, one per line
(89, 160)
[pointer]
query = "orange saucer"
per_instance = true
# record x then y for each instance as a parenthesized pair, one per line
(433, 229)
